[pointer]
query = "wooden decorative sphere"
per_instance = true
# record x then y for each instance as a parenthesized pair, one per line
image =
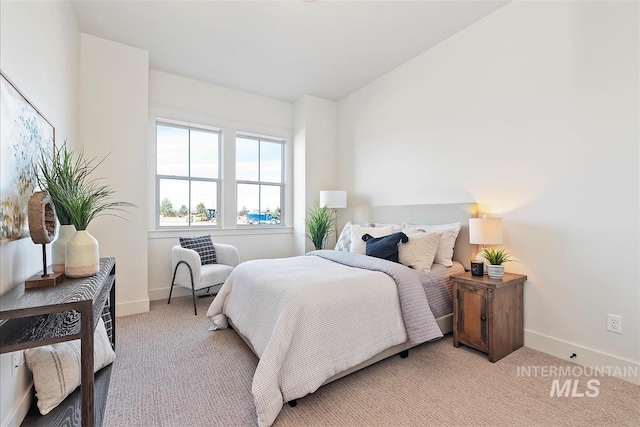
(42, 218)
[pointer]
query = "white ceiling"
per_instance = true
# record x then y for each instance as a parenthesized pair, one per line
(281, 49)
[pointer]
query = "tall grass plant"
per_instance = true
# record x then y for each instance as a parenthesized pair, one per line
(78, 197)
(320, 223)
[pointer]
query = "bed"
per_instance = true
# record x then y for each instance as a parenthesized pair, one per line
(315, 318)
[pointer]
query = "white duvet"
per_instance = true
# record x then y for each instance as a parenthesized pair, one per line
(307, 319)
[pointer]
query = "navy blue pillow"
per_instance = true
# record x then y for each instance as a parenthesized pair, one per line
(385, 247)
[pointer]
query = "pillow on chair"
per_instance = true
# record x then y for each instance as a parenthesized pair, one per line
(203, 245)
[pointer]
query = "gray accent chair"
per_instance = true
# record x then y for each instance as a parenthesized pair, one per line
(189, 273)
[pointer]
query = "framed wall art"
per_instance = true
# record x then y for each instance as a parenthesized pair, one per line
(24, 131)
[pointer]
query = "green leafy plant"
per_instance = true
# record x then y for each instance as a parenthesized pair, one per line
(320, 223)
(496, 256)
(57, 175)
(77, 196)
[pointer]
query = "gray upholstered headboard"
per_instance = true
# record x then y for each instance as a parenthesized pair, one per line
(422, 214)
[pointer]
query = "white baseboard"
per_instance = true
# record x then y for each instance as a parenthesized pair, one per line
(163, 293)
(132, 307)
(627, 370)
(20, 409)
(178, 291)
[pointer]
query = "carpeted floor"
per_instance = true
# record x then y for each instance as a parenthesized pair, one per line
(171, 371)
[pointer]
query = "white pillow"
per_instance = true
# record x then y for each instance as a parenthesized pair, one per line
(56, 367)
(420, 251)
(395, 227)
(344, 240)
(357, 231)
(444, 254)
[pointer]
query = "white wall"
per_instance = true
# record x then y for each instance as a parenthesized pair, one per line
(190, 101)
(533, 113)
(40, 53)
(315, 166)
(300, 203)
(114, 97)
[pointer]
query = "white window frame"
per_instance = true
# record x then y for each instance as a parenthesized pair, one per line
(227, 222)
(189, 178)
(283, 211)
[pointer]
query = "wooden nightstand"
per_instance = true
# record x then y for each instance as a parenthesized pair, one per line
(488, 314)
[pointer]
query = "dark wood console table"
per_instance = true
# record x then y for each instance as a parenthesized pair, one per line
(68, 311)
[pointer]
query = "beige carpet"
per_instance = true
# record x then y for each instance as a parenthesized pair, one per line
(171, 371)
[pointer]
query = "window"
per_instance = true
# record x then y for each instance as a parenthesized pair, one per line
(194, 188)
(259, 180)
(187, 175)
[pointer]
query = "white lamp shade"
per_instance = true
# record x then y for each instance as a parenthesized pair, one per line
(333, 199)
(485, 231)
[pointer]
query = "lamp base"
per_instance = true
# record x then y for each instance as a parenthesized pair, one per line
(39, 281)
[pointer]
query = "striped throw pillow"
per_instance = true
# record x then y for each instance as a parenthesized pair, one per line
(56, 367)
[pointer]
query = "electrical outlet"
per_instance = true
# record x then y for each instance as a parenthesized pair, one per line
(16, 362)
(614, 323)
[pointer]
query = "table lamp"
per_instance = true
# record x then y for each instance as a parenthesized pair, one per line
(485, 231)
(334, 199)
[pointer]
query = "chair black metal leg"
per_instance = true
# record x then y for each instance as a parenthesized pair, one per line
(193, 295)
(173, 280)
(193, 291)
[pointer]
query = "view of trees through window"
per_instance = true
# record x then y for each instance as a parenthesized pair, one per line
(187, 175)
(188, 180)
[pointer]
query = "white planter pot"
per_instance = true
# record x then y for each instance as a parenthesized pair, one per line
(496, 271)
(82, 255)
(59, 245)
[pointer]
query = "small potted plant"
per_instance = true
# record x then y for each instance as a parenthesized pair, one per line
(79, 198)
(320, 224)
(496, 257)
(57, 174)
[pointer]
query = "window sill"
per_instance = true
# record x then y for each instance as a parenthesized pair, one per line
(240, 231)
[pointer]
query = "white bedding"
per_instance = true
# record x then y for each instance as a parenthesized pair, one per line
(315, 318)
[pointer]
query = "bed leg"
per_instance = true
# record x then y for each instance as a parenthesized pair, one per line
(404, 354)
(293, 403)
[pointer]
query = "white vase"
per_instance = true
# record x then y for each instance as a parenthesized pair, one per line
(496, 271)
(82, 257)
(59, 245)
